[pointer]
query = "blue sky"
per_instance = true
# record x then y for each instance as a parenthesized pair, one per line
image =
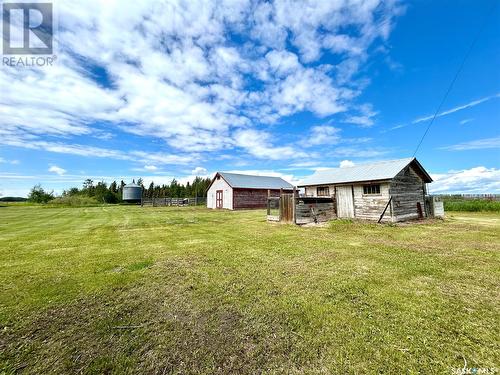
(171, 89)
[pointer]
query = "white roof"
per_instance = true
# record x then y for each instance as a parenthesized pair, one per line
(383, 170)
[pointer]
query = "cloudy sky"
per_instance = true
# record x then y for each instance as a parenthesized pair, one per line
(157, 89)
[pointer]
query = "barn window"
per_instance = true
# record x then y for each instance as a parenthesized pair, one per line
(323, 191)
(371, 189)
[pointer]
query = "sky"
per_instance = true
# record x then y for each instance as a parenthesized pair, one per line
(164, 89)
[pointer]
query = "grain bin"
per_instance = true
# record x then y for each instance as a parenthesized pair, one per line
(132, 193)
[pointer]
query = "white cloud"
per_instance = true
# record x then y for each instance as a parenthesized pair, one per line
(6, 161)
(448, 112)
(456, 109)
(465, 121)
(343, 43)
(283, 62)
(57, 170)
(199, 171)
(304, 164)
(168, 70)
(150, 168)
(474, 180)
(346, 164)
(479, 144)
(324, 135)
(259, 144)
(357, 152)
(307, 89)
(32, 142)
(365, 118)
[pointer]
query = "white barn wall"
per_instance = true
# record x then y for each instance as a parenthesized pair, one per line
(227, 194)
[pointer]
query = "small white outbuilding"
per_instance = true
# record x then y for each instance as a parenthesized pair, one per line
(234, 191)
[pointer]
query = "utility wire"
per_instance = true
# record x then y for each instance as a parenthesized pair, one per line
(491, 11)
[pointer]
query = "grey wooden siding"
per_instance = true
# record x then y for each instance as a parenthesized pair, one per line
(321, 211)
(371, 206)
(407, 189)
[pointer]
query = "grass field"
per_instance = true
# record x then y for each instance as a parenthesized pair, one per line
(186, 290)
(470, 205)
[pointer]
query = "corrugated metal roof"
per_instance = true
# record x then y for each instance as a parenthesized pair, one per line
(255, 182)
(132, 185)
(383, 170)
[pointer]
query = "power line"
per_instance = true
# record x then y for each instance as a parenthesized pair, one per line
(491, 11)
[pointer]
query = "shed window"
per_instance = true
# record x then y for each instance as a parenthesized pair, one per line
(323, 191)
(371, 189)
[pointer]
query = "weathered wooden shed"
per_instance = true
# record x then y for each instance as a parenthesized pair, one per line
(234, 191)
(391, 190)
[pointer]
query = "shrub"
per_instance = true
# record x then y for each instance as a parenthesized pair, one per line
(106, 196)
(74, 201)
(38, 195)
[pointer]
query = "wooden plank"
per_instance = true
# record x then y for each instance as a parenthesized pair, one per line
(345, 201)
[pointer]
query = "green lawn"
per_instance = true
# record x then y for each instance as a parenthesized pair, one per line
(187, 290)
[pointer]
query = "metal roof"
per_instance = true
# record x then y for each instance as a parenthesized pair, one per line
(236, 180)
(132, 185)
(383, 170)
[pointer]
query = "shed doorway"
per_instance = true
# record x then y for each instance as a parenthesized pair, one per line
(218, 199)
(345, 202)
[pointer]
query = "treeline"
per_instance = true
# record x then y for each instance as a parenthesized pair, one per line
(100, 192)
(197, 188)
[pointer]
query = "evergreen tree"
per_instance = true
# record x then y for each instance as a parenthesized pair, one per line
(113, 187)
(151, 189)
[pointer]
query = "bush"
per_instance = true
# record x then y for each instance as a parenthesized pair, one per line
(38, 195)
(106, 196)
(74, 201)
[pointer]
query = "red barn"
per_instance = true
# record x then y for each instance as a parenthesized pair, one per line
(234, 191)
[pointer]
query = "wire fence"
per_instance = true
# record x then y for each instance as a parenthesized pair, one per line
(158, 202)
(487, 197)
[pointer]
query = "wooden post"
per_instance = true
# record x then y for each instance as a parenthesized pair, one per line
(280, 205)
(294, 211)
(385, 209)
(268, 202)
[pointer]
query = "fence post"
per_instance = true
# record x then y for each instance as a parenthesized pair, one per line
(294, 213)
